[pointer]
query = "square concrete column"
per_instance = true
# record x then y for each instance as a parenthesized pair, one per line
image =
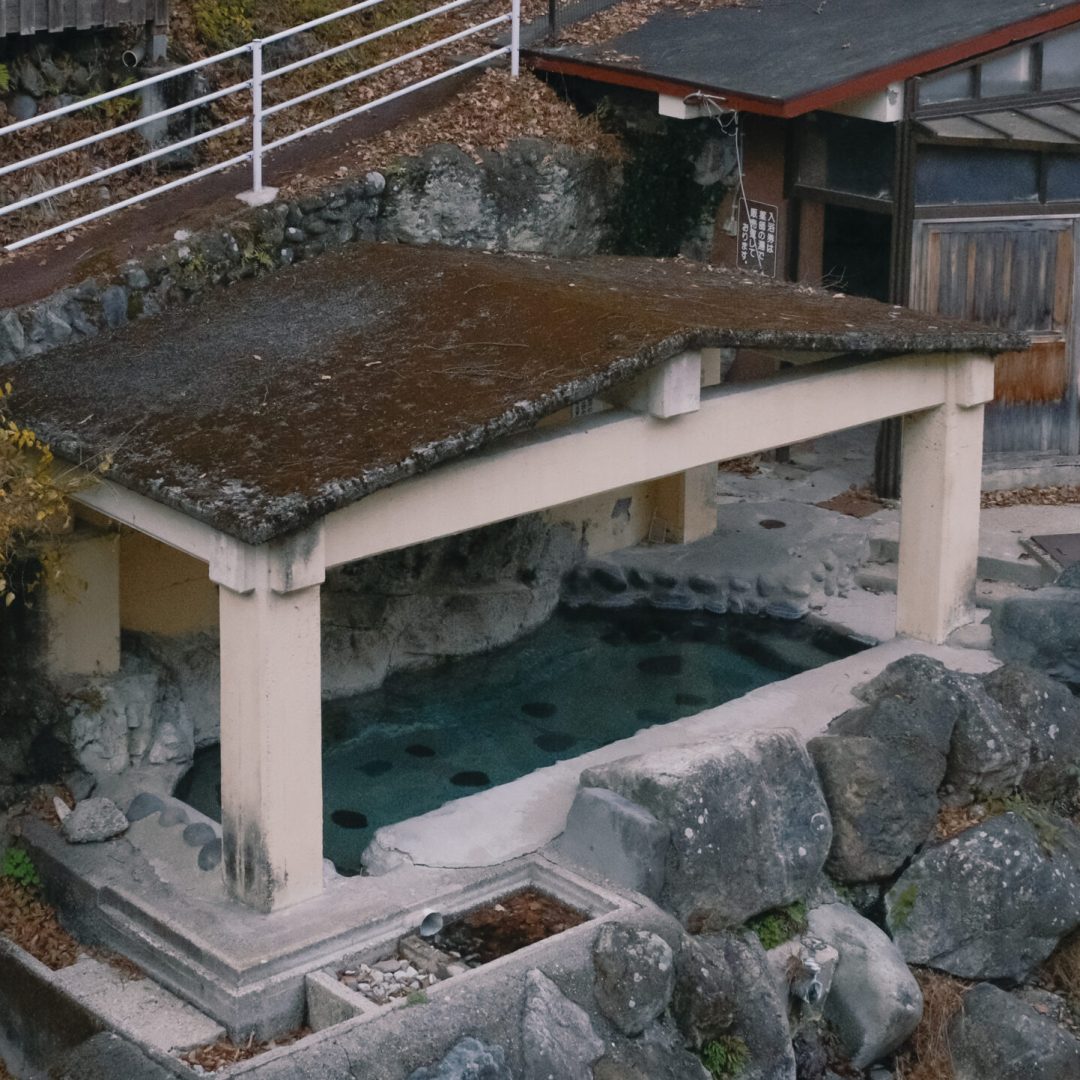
(686, 502)
(271, 725)
(939, 505)
(82, 605)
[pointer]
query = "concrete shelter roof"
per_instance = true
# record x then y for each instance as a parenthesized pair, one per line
(787, 57)
(284, 397)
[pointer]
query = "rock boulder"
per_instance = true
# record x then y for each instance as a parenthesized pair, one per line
(557, 1036)
(874, 1002)
(723, 987)
(883, 805)
(749, 825)
(996, 1036)
(1042, 629)
(1044, 711)
(635, 975)
(94, 820)
(990, 903)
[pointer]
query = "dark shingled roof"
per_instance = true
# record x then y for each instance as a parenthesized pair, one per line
(284, 397)
(784, 50)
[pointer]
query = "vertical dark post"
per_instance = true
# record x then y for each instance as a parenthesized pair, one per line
(888, 448)
(551, 18)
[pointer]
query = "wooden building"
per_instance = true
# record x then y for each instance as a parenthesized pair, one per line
(924, 153)
(26, 17)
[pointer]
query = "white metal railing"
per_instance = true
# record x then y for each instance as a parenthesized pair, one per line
(257, 112)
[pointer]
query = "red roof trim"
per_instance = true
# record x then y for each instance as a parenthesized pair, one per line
(868, 83)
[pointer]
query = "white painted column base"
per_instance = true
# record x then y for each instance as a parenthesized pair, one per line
(83, 605)
(939, 508)
(271, 745)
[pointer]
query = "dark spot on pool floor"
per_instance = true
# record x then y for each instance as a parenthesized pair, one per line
(375, 768)
(643, 635)
(419, 750)
(554, 741)
(651, 716)
(470, 778)
(541, 710)
(772, 523)
(690, 699)
(661, 665)
(349, 819)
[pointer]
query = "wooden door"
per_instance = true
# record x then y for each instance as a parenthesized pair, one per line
(1018, 275)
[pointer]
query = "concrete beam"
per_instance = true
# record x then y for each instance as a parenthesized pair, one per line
(152, 518)
(939, 507)
(549, 467)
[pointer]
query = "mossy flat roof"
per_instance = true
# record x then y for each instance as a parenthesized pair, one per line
(284, 397)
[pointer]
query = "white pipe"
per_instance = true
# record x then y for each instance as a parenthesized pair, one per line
(133, 57)
(30, 200)
(374, 35)
(387, 97)
(131, 201)
(311, 23)
(515, 37)
(108, 95)
(256, 115)
(131, 125)
(385, 65)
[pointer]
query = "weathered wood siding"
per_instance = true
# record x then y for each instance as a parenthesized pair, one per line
(31, 16)
(1018, 275)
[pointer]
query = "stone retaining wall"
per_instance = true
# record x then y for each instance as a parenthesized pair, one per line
(535, 196)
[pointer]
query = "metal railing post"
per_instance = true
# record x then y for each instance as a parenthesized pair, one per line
(256, 115)
(515, 37)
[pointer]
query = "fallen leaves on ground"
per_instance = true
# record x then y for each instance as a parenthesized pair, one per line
(33, 926)
(488, 115)
(470, 120)
(856, 502)
(1059, 495)
(741, 466)
(953, 820)
(225, 1052)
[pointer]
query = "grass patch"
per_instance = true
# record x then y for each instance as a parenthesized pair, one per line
(904, 906)
(782, 924)
(725, 1057)
(926, 1054)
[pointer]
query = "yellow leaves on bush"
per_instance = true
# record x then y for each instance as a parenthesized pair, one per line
(33, 502)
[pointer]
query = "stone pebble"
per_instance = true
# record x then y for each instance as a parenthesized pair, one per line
(386, 980)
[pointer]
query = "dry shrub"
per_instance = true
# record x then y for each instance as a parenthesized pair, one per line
(1062, 968)
(926, 1055)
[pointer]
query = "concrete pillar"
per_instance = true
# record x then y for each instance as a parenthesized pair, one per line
(939, 506)
(83, 605)
(686, 503)
(271, 728)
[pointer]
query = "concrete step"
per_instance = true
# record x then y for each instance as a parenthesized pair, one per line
(881, 578)
(138, 1007)
(1015, 562)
